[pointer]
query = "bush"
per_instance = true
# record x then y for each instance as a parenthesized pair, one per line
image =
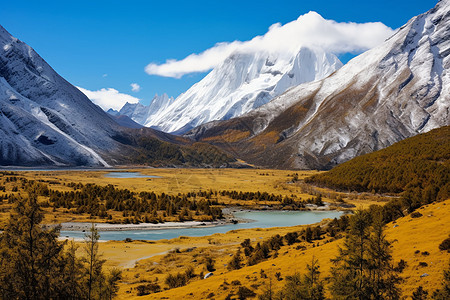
(210, 264)
(146, 289)
(445, 245)
(236, 261)
(245, 292)
(416, 214)
(174, 281)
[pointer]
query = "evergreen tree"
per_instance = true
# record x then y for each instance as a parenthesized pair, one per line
(308, 287)
(350, 278)
(95, 276)
(363, 268)
(111, 283)
(384, 279)
(73, 274)
(236, 261)
(31, 262)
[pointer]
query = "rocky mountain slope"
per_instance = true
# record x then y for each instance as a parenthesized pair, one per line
(46, 121)
(394, 91)
(242, 83)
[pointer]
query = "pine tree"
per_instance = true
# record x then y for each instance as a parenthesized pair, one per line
(384, 278)
(30, 256)
(95, 276)
(236, 261)
(307, 286)
(350, 278)
(363, 268)
(111, 283)
(73, 273)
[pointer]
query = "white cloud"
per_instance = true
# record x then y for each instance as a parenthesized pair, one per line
(105, 75)
(109, 98)
(309, 30)
(135, 87)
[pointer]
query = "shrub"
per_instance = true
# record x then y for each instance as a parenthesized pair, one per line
(445, 245)
(210, 264)
(146, 289)
(174, 281)
(416, 214)
(245, 292)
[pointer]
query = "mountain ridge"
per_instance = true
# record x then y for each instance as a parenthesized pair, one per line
(389, 93)
(46, 121)
(243, 82)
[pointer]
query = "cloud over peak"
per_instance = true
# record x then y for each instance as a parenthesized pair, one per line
(309, 30)
(108, 98)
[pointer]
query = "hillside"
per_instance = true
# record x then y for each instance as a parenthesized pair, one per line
(421, 162)
(415, 240)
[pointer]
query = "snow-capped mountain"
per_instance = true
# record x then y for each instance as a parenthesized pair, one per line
(243, 82)
(142, 114)
(44, 120)
(391, 92)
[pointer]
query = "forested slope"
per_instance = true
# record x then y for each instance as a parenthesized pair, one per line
(418, 165)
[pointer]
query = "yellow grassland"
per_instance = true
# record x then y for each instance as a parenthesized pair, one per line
(422, 234)
(174, 181)
(153, 262)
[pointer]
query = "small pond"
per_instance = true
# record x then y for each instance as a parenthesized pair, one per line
(129, 175)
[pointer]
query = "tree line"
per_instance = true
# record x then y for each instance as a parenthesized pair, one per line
(418, 165)
(148, 207)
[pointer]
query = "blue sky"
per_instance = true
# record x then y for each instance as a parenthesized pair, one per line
(108, 44)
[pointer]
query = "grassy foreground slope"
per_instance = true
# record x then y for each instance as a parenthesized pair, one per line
(417, 163)
(415, 240)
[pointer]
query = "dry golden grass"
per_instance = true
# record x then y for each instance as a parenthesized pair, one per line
(229, 136)
(174, 181)
(153, 262)
(423, 234)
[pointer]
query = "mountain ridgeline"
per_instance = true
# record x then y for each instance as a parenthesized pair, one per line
(301, 110)
(243, 82)
(46, 121)
(391, 92)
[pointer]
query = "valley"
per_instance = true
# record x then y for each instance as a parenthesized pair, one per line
(278, 189)
(146, 264)
(278, 172)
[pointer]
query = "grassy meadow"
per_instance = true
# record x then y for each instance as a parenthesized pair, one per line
(148, 263)
(179, 181)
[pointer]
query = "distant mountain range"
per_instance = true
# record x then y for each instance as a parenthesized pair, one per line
(243, 82)
(394, 91)
(46, 121)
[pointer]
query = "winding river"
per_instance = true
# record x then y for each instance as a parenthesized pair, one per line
(260, 219)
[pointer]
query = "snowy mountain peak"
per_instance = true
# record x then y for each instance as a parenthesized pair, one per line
(243, 82)
(393, 91)
(142, 113)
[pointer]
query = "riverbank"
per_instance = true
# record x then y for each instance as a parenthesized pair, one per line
(229, 214)
(83, 226)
